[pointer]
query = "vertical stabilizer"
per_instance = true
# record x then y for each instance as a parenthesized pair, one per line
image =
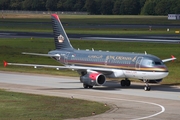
(60, 38)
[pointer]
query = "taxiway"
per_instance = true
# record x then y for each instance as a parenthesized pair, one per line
(128, 38)
(162, 102)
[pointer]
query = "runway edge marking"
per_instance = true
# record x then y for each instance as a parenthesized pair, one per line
(141, 118)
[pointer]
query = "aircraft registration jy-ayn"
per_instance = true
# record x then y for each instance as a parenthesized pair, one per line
(95, 66)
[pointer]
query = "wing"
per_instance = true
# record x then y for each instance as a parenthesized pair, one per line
(34, 65)
(169, 59)
(80, 68)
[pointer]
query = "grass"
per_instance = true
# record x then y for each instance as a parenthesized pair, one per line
(18, 106)
(96, 19)
(11, 51)
(120, 31)
(85, 24)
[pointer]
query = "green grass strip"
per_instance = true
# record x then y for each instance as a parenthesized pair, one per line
(19, 106)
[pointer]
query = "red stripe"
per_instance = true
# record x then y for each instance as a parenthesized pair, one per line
(55, 16)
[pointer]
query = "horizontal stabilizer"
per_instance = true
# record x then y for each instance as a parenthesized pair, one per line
(38, 54)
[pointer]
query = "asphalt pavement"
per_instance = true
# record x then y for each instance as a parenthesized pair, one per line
(131, 38)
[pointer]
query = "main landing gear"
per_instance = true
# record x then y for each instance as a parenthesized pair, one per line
(125, 82)
(87, 86)
(147, 87)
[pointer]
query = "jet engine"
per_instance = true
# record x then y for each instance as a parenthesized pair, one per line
(93, 79)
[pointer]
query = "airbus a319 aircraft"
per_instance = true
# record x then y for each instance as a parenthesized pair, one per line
(95, 66)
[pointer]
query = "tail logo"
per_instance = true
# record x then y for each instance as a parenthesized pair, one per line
(60, 38)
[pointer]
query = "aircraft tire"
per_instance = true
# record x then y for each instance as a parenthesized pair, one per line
(147, 88)
(85, 85)
(128, 82)
(123, 83)
(90, 86)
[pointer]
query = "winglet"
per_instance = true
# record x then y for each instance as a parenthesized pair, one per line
(172, 56)
(5, 63)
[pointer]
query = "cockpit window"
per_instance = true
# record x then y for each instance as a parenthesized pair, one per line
(158, 63)
(147, 62)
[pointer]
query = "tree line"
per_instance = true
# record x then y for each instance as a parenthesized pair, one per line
(97, 7)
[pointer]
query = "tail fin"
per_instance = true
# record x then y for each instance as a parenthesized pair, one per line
(60, 38)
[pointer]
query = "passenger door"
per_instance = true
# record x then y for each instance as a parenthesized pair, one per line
(138, 63)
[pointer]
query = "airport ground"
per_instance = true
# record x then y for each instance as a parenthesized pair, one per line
(162, 102)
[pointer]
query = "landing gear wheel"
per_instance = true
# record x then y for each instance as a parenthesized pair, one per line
(85, 85)
(147, 88)
(90, 86)
(128, 82)
(123, 83)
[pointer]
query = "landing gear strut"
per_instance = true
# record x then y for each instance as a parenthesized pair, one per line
(125, 82)
(147, 87)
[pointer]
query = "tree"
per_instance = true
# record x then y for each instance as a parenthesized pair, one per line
(163, 7)
(26, 4)
(16, 4)
(38, 5)
(106, 7)
(51, 5)
(141, 3)
(79, 5)
(149, 8)
(116, 8)
(175, 8)
(90, 5)
(130, 7)
(69, 5)
(60, 5)
(4, 4)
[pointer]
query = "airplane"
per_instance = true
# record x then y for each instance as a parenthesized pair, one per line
(95, 66)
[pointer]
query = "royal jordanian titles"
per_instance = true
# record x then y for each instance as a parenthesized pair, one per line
(95, 66)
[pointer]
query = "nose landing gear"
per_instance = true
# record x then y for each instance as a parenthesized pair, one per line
(127, 83)
(147, 87)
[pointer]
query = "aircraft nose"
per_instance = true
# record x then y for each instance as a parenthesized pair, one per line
(165, 67)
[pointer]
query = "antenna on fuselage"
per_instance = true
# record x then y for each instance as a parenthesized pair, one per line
(145, 52)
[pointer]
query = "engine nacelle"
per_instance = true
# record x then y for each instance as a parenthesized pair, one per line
(93, 79)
